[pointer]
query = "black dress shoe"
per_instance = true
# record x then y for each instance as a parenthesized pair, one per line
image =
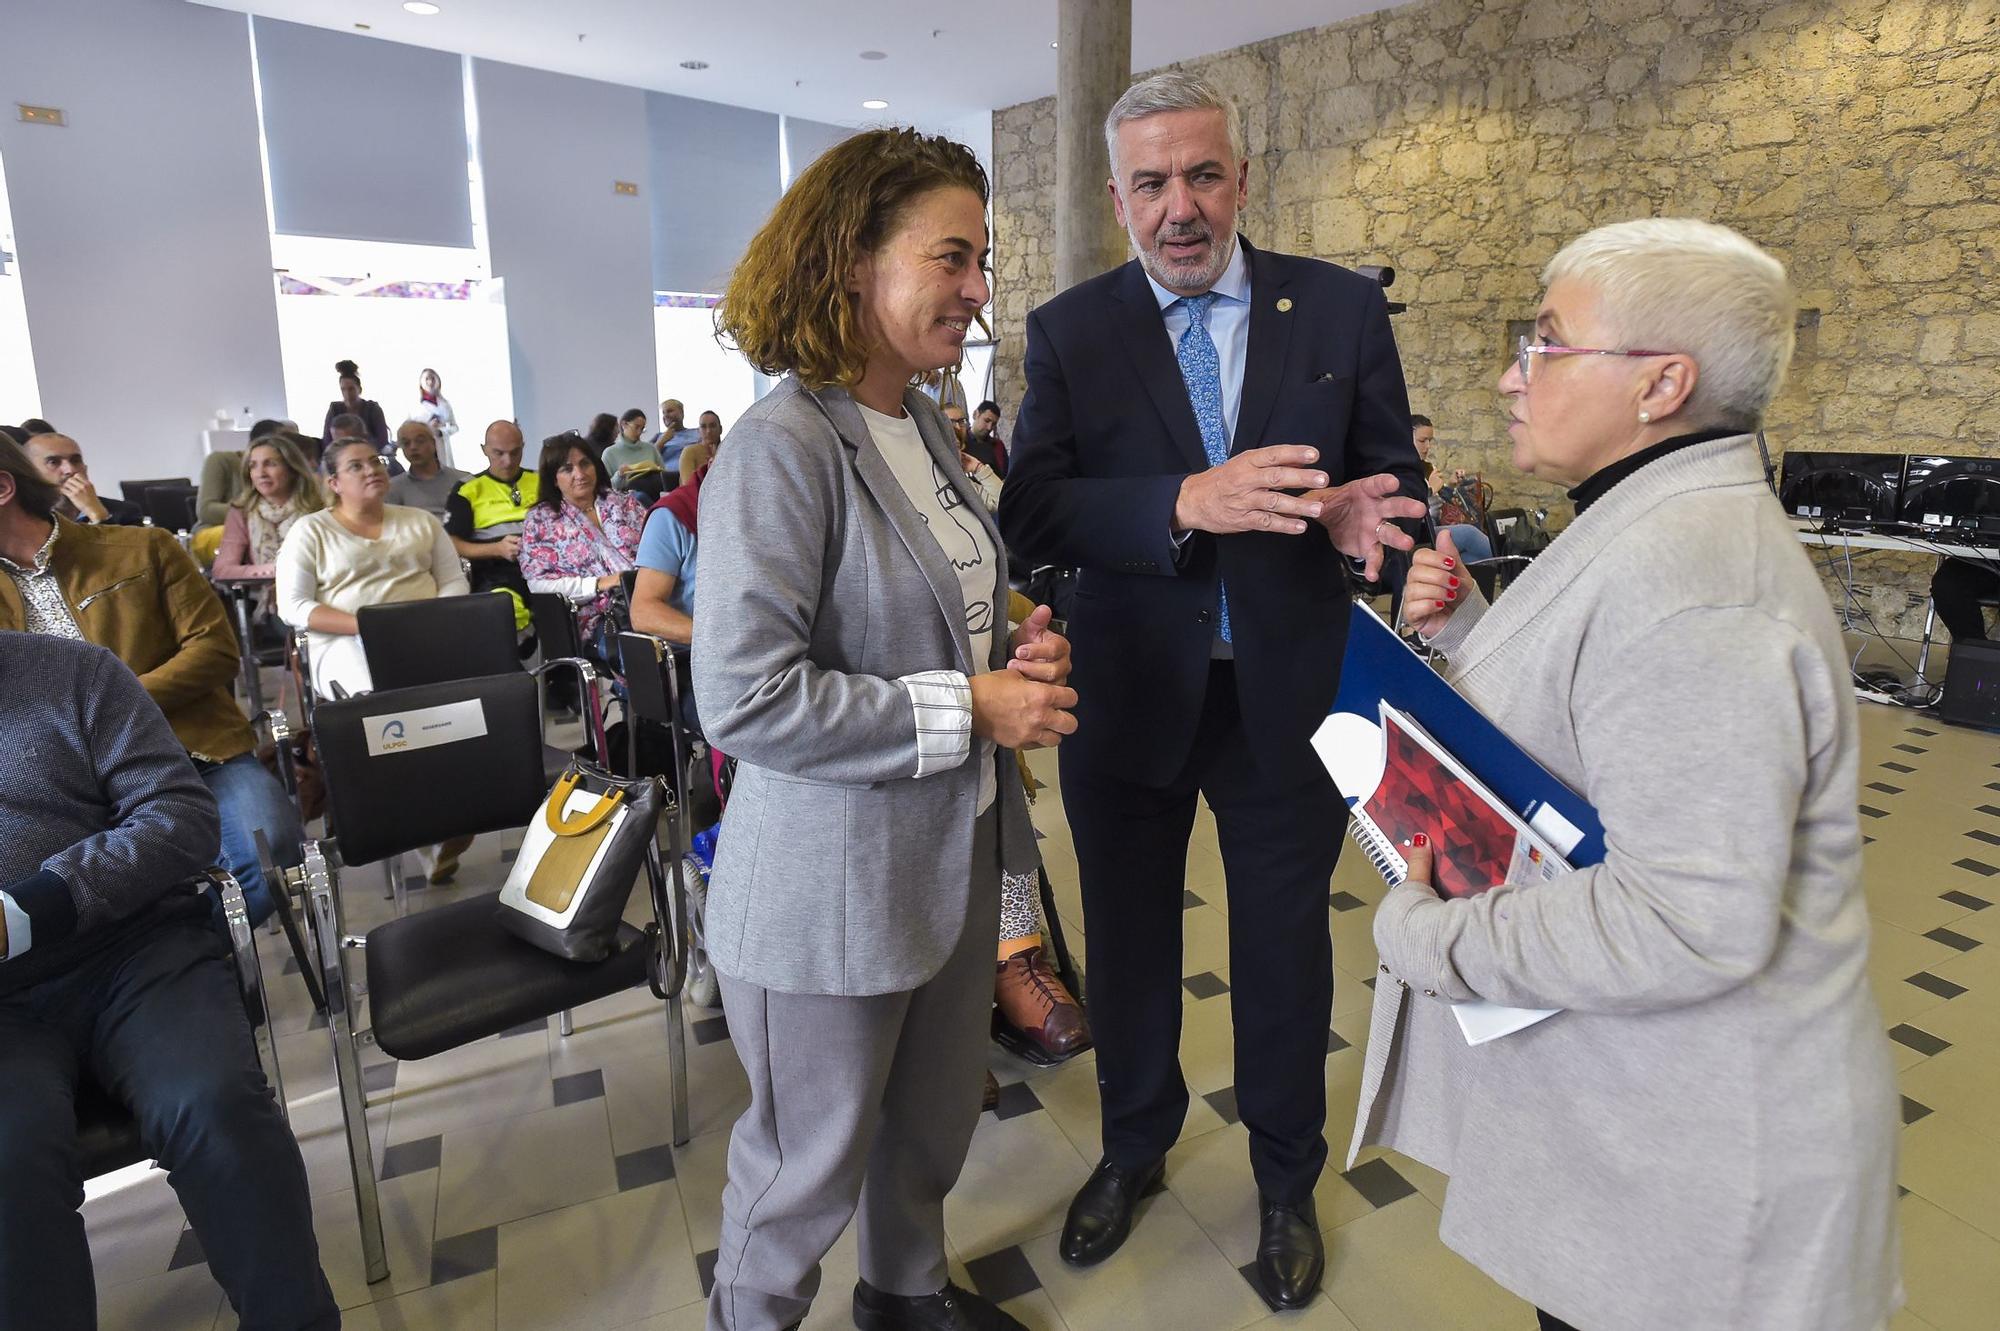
(950, 1309)
(1291, 1256)
(1100, 1216)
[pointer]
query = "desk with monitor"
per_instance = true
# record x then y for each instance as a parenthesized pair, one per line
(1845, 543)
(1943, 506)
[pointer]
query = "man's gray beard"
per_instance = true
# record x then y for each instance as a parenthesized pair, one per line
(1164, 273)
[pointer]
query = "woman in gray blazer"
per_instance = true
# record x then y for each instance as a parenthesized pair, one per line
(1705, 1134)
(851, 650)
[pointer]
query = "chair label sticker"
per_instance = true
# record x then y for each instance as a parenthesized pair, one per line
(425, 728)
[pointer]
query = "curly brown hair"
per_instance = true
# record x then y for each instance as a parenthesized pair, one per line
(787, 308)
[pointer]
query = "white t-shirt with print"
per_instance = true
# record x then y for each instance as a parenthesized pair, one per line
(962, 539)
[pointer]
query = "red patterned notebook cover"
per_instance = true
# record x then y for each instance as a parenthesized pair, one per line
(1474, 841)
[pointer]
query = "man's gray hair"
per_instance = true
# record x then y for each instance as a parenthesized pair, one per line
(1172, 91)
(1678, 284)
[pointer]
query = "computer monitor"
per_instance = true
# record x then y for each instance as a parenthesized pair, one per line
(135, 491)
(1842, 489)
(1952, 493)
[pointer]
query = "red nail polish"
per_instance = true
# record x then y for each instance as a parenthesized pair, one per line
(1451, 563)
(1454, 582)
(1440, 605)
(1421, 840)
(1451, 595)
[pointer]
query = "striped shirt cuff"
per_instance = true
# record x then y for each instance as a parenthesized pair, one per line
(942, 701)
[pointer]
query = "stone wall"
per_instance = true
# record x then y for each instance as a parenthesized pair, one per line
(1463, 142)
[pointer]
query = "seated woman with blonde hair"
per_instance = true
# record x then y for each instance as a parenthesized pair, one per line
(278, 489)
(1705, 1134)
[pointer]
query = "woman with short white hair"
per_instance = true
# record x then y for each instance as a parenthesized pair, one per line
(1705, 1134)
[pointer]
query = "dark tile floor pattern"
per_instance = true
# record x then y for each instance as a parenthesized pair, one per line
(466, 1254)
(1939, 1047)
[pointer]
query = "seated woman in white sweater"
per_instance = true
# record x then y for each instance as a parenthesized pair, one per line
(359, 552)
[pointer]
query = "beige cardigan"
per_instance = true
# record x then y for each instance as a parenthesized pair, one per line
(1706, 1136)
(323, 563)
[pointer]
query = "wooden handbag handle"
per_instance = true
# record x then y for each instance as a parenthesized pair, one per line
(589, 820)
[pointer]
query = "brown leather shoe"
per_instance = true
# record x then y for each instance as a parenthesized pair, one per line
(448, 854)
(989, 1100)
(1034, 1016)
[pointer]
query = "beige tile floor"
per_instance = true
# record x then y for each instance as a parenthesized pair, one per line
(529, 1184)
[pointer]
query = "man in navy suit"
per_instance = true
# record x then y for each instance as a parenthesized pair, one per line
(1211, 434)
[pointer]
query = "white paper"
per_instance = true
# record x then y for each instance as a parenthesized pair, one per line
(424, 728)
(1555, 829)
(1480, 1022)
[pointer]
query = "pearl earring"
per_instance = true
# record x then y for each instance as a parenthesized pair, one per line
(1645, 416)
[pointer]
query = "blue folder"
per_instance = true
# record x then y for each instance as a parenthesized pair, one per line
(1380, 667)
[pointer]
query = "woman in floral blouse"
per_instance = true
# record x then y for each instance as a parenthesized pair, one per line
(580, 536)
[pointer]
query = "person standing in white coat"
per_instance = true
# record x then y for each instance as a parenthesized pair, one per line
(434, 409)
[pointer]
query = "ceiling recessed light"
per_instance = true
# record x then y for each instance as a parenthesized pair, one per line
(694, 64)
(424, 7)
(1053, 45)
(874, 104)
(874, 55)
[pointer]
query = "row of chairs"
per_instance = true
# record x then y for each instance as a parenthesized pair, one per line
(441, 978)
(447, 976)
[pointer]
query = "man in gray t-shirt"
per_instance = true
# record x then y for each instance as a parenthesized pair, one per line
(427, 484)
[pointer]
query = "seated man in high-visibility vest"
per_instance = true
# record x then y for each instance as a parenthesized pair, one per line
(485, 515)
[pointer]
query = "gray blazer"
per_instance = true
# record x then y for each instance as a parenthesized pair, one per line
(1706, 1135)
(838, 872)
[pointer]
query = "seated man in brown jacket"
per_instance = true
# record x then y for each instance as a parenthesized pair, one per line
(135, 591)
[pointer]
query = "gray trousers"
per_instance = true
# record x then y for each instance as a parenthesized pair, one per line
(855, 1103)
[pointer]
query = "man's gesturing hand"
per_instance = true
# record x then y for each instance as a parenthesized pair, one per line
(1246, 492)
(1359, 514)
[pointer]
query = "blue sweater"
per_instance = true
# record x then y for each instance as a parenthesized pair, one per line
(101, 813)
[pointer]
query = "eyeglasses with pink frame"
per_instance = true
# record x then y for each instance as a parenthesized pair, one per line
(1525, 351)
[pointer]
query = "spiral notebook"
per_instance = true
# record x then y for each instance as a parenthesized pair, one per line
(1411, 755)
(1480, 843)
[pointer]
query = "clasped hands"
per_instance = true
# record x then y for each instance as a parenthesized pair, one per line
(1027, 703)
(1248, 493)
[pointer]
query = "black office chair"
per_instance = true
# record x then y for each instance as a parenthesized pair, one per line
(648, 487)
(134, 492)
(450, 975)
(427, 642)
(657, 678)
(171, 507)
(107, 1134)
(555, 625)
(412, 643)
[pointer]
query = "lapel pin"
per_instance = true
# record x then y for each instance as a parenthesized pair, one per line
(1285, 305)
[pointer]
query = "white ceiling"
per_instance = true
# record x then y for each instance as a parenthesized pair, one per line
(947, 65)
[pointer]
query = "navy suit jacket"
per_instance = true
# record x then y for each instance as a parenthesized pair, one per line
(1103, 441)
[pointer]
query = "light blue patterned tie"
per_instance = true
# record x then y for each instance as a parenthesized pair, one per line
(1201, 369)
